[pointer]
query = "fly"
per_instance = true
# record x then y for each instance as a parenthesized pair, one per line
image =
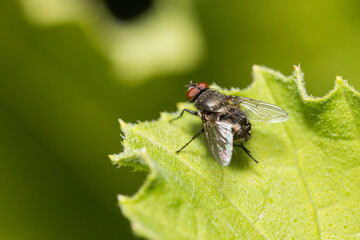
(226, 119)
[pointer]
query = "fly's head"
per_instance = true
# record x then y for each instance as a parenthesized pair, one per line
(195, 89)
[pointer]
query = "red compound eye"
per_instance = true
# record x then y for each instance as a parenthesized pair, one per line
(192, 92)
(202, 85)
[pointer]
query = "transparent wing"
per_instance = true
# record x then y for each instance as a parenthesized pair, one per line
(220, 140)
(259, 111)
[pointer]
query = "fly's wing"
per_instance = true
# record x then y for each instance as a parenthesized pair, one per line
(220, 140)
(259, 111)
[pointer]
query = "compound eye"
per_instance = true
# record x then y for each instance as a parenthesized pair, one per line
(202, 85)
(192, 92)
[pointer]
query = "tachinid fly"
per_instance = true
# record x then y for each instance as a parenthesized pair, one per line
(226, 119)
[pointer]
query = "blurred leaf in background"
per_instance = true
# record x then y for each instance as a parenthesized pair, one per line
(69, 69)
(165, 39)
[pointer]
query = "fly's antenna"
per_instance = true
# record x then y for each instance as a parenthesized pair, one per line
(192, 84)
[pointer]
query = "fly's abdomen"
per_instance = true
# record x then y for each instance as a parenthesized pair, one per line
(241, 129)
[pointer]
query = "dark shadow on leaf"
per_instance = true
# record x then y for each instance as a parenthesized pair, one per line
(240, 160)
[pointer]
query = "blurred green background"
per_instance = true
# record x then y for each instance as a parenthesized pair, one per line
(70, 69)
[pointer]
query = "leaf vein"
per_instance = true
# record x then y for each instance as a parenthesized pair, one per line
(297, 164)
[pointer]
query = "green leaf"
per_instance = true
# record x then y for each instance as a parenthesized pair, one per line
(164, 41)
(306, 185)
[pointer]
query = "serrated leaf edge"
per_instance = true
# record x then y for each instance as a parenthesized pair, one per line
(298, 76)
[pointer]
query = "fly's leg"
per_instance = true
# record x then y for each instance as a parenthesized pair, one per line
(246, 151)
(196, 135)
(182, 112)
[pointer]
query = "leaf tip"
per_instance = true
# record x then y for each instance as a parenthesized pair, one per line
(122, 123)
(112, 157)
(299, 79)
(136, 159)
(255, 68)
(122, 199)
(340, 82)
(297, 70)
(163, 115)
(298, 73)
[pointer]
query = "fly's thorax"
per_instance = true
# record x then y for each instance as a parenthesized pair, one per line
(211, 101)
